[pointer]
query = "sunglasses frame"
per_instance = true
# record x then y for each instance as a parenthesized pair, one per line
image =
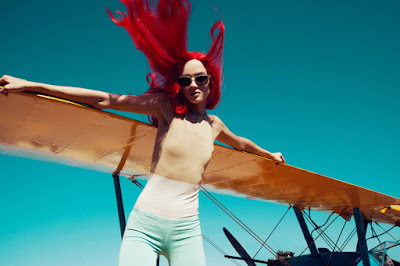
(194, 78)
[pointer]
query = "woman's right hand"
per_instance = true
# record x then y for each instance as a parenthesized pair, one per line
(13, 84)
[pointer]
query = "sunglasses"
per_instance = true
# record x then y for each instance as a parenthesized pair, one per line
(201, 80)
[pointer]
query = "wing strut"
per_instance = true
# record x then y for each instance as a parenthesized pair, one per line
(306, 233)
(120, 205)
(362, 243)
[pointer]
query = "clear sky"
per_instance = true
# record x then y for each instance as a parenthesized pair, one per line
(316, 80)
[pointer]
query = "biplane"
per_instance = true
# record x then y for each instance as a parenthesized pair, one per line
(124, 147)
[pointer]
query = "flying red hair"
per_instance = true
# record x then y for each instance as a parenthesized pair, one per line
(160, 32)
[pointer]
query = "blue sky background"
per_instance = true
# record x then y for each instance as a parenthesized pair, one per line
(316, 80)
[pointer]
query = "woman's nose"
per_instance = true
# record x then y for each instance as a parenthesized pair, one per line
(193, 82)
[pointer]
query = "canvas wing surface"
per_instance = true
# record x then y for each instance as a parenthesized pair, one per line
(60, 131)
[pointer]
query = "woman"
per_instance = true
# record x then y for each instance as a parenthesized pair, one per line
(183, 85)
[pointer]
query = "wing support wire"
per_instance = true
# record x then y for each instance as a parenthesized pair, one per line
(336, 245)
(310, 242)
(333, 245)
(317, 228)
(220, 250)
(271, 232)
(375, 235)
(322, 232)
(387, 232)
(349, 237)
(239, 222)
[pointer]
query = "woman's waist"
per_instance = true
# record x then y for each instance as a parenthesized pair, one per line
(173, 185)
(179, 171)
(169, 198)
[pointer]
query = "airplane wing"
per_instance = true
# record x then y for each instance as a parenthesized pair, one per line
(47, 128)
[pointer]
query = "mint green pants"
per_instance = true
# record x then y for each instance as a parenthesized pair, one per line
(147, 236)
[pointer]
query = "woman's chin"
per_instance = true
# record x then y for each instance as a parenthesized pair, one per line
(196, 99)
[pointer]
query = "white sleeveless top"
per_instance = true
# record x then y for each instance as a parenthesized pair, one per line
(169, 198)
(183, 155)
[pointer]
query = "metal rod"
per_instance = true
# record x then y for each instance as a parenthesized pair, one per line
(362, 243)
(306, 233)
(246, 259)
(121, 213)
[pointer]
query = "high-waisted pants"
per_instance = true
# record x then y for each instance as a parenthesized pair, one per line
(147, 236)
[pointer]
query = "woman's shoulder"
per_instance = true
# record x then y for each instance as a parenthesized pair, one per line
(214, 119)
(216, 122)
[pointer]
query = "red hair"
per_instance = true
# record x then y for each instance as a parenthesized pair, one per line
(160, 32)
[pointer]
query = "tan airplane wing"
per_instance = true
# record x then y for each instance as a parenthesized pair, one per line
(47, 128)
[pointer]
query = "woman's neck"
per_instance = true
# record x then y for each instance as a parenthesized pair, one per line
(198, 109)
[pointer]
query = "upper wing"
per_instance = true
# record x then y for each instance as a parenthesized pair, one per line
(61, 131)
(73, 134)
(252, 176)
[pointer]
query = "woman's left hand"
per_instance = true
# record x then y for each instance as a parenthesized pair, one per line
(278, 158)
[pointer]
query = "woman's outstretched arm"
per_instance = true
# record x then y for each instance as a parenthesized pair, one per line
(225, 136)
(150, 104)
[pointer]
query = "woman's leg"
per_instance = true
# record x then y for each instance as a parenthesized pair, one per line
(136, 250)
(142, 239)
(188, 251)
(185, 244)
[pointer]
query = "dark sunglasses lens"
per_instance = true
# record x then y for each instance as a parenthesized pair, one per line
(184, 81)
(202, 80)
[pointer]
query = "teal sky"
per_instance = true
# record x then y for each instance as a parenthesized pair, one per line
(316, 80)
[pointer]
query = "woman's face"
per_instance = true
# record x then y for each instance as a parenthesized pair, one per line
(195, 92)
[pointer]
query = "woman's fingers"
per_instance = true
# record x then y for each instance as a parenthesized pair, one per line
(3, 79)
(3, 84)
(3, 90)
(278, 158)
(12, 84)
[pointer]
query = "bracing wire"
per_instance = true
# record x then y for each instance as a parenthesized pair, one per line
(219, 249)
(340, 234)
(337, 241)
(331, 244)
(133, 179)
(313, 241)
(349, 237)
(272, 231)
(374, 234)
(333, 250)
(320, 226)
(238, 221)
(385, 232)
(233, 217)
(322, 234)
